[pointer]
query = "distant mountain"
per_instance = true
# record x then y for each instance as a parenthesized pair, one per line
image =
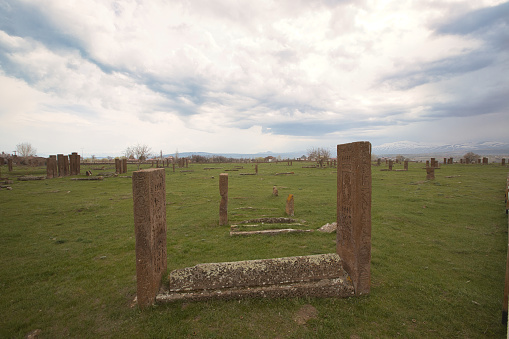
(409, 147)
(283, 155)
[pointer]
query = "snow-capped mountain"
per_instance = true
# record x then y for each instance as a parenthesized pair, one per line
(409, 147)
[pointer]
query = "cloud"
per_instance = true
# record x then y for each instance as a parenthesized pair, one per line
(203, 73)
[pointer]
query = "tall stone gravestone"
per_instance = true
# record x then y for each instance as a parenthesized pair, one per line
(223, 205)
(353, 242)
(503, 161)
(75, 163)
(118, 170)
(61, 165)
(149, 197)
(51, 167)
(390, 165)
(405, 165)
(9, 164)
(1, 161)
(430, 173)
(290, 206)
(124, 165)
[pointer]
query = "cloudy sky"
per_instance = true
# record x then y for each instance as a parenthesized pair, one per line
(97, 76)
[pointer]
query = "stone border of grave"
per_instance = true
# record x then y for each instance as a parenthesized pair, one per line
(341, 274)
(268, 220)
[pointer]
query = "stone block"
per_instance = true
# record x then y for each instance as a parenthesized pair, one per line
(353, 241)
(149, 197)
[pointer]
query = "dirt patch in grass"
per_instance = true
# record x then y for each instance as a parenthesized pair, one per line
(305, 313)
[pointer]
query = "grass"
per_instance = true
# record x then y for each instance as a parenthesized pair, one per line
(438, 254)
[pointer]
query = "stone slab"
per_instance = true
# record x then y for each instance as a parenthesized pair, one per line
(319, 275)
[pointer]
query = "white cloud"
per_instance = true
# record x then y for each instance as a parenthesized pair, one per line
(203, 74)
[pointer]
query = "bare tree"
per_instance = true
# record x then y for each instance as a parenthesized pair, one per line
(471, 157)
(25, 149)
(129, 152)
(140, 152)
(319, 154)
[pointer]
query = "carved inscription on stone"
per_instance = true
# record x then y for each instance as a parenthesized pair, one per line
(149, 195)
(354, 212)
(223, 205)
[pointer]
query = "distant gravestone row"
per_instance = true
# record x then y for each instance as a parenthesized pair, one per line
(121, 166)
(62, 165)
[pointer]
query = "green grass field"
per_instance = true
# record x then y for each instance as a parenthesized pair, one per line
(438, 254)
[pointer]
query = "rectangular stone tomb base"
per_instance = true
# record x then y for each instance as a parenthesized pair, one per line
(313, 276)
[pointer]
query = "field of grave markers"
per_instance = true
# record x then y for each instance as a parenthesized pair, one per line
(438, 253)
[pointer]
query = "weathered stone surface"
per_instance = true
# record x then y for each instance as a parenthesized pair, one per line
(405, 165)
(51, 167)
(390, 165)
(315, 275)
(124, 165)
(290, 206)
(256, 168)
(149, 196)
(270, 232)
(61, 165)
(74, 160)
(353, 240)
(9, 164)
(503, 161)
(223, 205)
(430, 173)
(275, 192)
(329, 228)
(118, 170)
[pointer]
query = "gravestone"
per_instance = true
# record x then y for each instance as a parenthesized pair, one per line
(118, 170)
(378, 162)
(61, 165)
(256, 168)
(485, 160)
(124, 165)
(433, 162)
(445, 161)
(51, 167)
(173, 168)
(275, 192)
(405, 165)
(353, 242)
(503, 161)
(1, 161)
(430, 173)
(390, 165)
(66, 165)
(223, 205)
(75, 163)
(427, 163)
(290, 206)
(149, 196)
(9, 164)
(450, 161)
